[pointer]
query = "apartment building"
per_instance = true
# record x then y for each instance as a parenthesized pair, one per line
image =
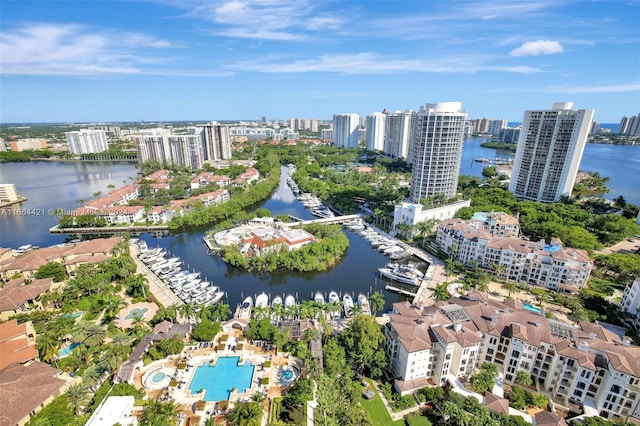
(549, 151)
(582, 366)
(630, 302)
(8, 192)
(216, 142)
(346, 130)
(87, 141)
(437, 150)
(397, 135)
(493, 244)
(162, 146)
(205, 178)
(375, 124)
(28, 143)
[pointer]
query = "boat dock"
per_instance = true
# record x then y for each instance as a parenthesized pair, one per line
(434, 275)
(399, 290)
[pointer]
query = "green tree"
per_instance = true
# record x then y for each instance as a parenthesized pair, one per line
(523, 379)
(377, 302)
(53, 270)
(205, 330)
(440, 292)
(245, 414)
(363, 341)
(78, 396)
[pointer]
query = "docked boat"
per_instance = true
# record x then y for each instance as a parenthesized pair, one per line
(363, 302)
(402, 273)
(333, 297)
(276, 301)
(347, 302)
(289, 301)
(262, 301)
(318, 298)
(245, 308)
(214, 298)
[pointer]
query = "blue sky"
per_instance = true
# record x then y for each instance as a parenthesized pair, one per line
(65, 61)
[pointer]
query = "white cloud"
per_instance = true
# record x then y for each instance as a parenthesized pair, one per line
(634, 87)
(373, 63)
(279, 20)
(538, 47)
(75, 50)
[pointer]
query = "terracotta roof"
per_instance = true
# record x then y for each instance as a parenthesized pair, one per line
(546, 418)
(15, 293)
(11, 329)
(496, 404)
(24, 389)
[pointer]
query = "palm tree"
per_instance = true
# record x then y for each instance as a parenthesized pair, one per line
(245, 414)
(219, 312)
(89, 333)
(48, 348)
(510, 287)
(91, 376)
(78, 395)
(158, 413)
(187, 311)
(376, 300)
(440, 292)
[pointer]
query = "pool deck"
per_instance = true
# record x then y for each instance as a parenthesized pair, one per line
(120, 320)
(195, 355)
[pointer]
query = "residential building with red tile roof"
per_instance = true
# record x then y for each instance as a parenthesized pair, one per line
(16, 296)
(24, 390)
(205, 178)
(114, 215)
(27, 264)
(488, 243)
(582, 365)
(17, 343)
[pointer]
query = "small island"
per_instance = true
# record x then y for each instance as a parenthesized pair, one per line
(266, 244)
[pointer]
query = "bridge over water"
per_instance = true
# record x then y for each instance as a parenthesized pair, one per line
(326, 220)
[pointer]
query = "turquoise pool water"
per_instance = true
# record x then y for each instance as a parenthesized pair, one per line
(158, 377)
(136, 312)
(531, 308)
(218, 380)
(286, 375)
(68, 349)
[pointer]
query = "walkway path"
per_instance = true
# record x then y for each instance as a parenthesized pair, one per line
(162, 293)
(395, 415)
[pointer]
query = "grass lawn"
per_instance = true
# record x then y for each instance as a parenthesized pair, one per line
(376, 409)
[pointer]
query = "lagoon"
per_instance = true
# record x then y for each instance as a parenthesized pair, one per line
(49, 185)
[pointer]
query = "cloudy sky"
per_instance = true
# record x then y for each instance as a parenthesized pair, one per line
(63, 61)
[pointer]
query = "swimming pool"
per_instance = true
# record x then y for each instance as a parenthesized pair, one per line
(68, 349)
(136, 312)
(158, 377)
(218, 380)
(531, 308)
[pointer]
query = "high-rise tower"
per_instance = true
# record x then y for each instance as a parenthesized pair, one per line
(437, 150)
(216, 142)
(397, 141)
(375, 131)
(549, 152)
(345, 130)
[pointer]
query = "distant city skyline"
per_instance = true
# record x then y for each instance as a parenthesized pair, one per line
(165, 60)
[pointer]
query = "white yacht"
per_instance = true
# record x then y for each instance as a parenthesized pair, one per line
(245, 308)
(348, 305)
